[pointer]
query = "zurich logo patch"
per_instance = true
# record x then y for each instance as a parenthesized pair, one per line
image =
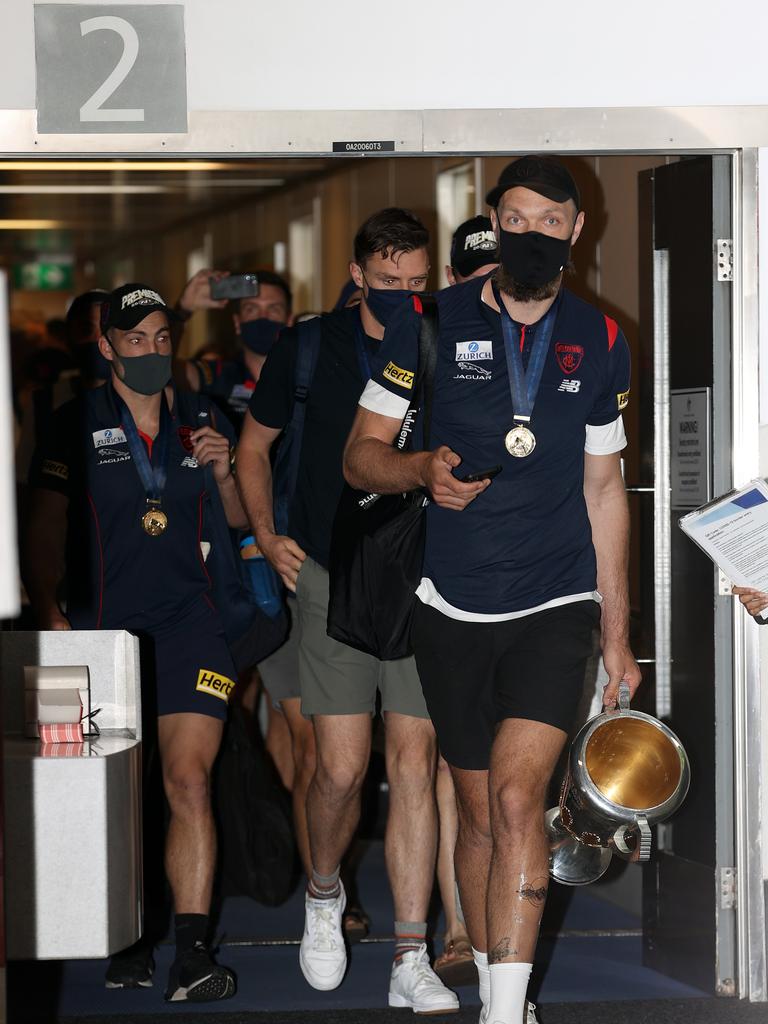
(468, 351)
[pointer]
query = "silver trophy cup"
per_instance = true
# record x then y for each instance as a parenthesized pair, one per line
(626, 772)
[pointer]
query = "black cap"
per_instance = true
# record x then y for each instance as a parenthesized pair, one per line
(473, 245)
(540, 174)
(128, 305)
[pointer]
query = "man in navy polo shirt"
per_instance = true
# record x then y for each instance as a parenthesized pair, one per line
(338, 684)
(124, 484)
(520, 564)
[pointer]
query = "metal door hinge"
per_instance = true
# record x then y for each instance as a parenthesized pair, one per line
(724, 260)
(724, 585)
(727, 888)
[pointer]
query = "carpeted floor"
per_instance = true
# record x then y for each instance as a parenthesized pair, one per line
(671, 1011)
(589, 950)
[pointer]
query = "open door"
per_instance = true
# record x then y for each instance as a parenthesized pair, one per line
(689, 915)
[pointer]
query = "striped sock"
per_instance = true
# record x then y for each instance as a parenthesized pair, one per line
(409, 935)
(324, 887)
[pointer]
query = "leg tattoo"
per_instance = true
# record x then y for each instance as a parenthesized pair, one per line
(501, 950)
(534, 893)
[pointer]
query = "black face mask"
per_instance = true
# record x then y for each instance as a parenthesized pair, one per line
(147, 374)
(383, 302)
(531, 258)
(260, 335)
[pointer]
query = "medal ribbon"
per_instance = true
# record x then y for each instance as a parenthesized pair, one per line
(524, 384)
(153, 477)
(362, 353)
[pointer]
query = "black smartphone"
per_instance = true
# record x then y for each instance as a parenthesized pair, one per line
(484, 474)
(236, 286)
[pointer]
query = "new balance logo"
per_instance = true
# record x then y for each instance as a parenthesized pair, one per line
(571, 386)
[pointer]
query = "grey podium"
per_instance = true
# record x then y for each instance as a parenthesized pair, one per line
(73, 883)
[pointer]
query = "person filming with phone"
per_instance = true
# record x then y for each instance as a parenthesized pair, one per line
(519, 567)
(261, 307)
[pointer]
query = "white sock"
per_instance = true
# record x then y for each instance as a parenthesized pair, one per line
(509, 983)
(483, 976)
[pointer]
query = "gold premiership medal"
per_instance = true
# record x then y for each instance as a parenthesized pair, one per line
(154, 521)
(520, 441)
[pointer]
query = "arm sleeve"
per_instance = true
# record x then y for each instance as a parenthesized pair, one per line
(53, 462)
(614, 395)
(390, 388)
(272, 401)
(607, 439)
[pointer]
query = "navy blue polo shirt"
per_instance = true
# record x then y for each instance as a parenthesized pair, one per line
(526, 540)
(118, 577)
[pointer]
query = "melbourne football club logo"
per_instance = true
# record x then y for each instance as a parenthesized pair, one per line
(184, 437)
(569, 356)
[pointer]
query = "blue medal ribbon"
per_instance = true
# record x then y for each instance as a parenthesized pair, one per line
(524, 384)
(153, 474)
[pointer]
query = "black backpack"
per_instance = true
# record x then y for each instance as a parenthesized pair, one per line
(257, 848)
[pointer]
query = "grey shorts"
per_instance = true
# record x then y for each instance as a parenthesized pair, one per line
(339, 680)
(280, 671)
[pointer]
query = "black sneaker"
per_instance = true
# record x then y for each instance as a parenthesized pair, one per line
(195, 977)
(131, 968)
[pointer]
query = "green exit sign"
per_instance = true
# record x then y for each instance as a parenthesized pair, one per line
(43, 277)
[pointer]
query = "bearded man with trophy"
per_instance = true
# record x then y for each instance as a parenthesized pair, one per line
(526, 550)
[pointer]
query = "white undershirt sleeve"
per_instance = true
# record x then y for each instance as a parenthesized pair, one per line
(606, 439)
(375, 398)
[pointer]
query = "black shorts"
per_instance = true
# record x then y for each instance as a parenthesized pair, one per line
(186, 665)
(476, 674)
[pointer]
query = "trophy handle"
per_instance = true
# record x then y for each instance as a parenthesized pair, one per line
(640, 851)
(623, 695)
(646, 839)
(622, 706)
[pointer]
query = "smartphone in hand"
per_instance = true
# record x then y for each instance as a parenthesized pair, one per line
(483, 474)
(236, 286)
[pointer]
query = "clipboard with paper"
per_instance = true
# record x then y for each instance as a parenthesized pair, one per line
(732, 530)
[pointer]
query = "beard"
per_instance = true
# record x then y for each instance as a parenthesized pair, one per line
(519, 292)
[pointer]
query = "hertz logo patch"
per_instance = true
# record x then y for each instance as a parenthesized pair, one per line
(399, 376)
(623, 400)
(213, 683)
(56, 469)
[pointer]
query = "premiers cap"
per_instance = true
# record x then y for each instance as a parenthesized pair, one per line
(473, 246)
(128, 305)
(540, 174)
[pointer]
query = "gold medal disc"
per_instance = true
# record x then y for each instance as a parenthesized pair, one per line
(520, 441)
(154, 522)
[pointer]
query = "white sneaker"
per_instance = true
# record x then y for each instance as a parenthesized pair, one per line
(414, 984)
(530, 1014)
(322, 954)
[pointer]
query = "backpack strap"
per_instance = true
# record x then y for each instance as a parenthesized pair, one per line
(425, 374)
(286, 468)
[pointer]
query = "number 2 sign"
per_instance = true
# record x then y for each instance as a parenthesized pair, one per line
(110, 68)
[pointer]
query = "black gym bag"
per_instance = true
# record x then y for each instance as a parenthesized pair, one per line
(377, 545)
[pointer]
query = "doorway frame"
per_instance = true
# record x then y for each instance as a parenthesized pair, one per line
(736, 131)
